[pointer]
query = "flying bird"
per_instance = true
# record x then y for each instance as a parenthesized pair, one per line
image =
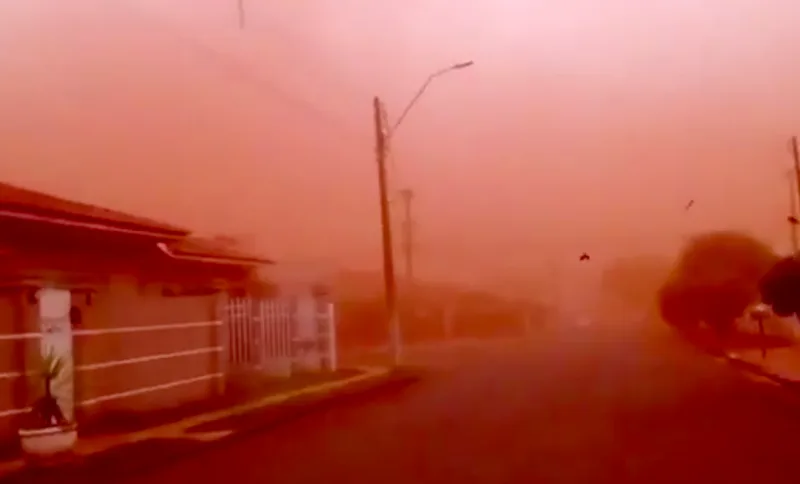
(689, 205)
(584, 257)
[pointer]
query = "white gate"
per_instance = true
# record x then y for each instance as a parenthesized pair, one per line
(272, 335)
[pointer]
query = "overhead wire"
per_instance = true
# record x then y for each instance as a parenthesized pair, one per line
(280, 30)
(396, 177)
(246, 75)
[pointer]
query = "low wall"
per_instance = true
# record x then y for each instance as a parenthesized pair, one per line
(137, 350)
(134, 351)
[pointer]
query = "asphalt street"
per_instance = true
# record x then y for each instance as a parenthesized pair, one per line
(593, 404)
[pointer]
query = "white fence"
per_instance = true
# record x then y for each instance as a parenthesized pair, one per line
(279, 336)
(120, 362)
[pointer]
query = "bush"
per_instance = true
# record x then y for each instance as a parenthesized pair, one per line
(715, 279)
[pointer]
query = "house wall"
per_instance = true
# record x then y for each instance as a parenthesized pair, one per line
(138, 351)
(135, 351)
(17, 345)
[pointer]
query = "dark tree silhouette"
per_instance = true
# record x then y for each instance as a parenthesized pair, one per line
(715, 279)
(780, 287)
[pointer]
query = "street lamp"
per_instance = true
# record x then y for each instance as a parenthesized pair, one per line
(382, 135)
(760, 312)
(423, 88)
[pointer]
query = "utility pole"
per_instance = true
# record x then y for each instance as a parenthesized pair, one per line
(383, 134)
(390, 285)
(793, 212)
(793, 219)
(407, 196)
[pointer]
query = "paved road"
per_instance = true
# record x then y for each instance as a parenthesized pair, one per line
(435, 354)
(582, 405)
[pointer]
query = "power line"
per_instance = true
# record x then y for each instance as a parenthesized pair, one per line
(245, 74)
(294, 40)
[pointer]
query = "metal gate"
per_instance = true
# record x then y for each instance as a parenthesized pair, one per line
(259, 335)
(272, 335)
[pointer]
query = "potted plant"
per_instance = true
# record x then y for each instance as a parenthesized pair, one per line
(46, 433)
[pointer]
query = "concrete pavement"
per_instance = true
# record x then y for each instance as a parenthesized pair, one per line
(580, 405)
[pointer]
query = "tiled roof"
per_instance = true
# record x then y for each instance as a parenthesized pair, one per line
(30, 202)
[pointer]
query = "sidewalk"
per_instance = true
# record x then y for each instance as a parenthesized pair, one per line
(780, 364)
(105, 458)
(777, 356)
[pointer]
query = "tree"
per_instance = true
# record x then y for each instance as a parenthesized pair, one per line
(676, 304)
(780, 287)
(715, 278)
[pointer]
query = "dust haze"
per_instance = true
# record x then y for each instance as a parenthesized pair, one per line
(583, 126)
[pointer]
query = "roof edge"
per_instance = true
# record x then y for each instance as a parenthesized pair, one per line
(93, 225)
(210, 258)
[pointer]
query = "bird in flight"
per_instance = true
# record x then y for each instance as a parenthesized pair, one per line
(689, 205)
(584, 257)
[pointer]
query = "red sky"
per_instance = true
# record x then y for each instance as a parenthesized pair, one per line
(584, 125)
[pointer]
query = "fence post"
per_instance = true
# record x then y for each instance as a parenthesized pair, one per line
(333, 357)
(223, 340)
(261, 338)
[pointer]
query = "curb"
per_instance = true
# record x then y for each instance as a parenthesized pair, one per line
(150, 450)
(741, 364)
(758, 370)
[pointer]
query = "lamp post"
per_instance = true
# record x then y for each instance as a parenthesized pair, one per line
(383, 135)
(422, 89)
(760, 312)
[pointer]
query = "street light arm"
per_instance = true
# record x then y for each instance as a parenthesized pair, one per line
(414, 100)
(422, 89)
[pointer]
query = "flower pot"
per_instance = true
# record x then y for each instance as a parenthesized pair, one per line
(48, 443)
